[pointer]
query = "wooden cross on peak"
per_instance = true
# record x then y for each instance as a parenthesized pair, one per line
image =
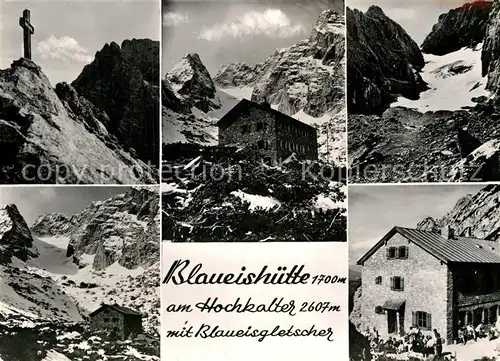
(28, 30)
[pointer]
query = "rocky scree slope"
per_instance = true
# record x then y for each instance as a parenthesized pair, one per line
(464, 26)
(250, 202)
(123, 81)
(305, 81)
(54, 135)
(383, 62)
(409, 146)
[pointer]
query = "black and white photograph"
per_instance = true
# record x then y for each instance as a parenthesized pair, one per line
(424, 275)
(79, 92)
(79, 273)
(254, 121)
(422, 91)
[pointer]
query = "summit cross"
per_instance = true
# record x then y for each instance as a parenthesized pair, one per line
(28, 30)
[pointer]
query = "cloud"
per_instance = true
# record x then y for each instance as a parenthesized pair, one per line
(64, 49)
(272, 23)
(401, 14)
(175, 19)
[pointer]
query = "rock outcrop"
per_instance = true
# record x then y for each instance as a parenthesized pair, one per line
(56, 136)
(464, 26)
(383, 62)
(490, 56)
(15, 236)
(124, 83)
(124, 228)
(236, 75)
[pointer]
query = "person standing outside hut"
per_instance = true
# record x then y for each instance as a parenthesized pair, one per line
(438, 345)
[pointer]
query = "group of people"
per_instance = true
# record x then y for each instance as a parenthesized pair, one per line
(468, 332)
(414, 341)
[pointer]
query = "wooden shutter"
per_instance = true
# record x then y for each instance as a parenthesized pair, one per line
(402, 283)
(388, 251)
(429, 321)
(414, 319)
(392, 283)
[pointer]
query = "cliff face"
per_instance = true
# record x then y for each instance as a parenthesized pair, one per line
(382, 62)
(15, 236)
(124, 82)
(461, 27)
(491, 50)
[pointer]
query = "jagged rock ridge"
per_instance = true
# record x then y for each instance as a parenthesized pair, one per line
(474, 215)
(124, 228)
(383, 62)
(464, 26)
(54, 135)
(124, 83)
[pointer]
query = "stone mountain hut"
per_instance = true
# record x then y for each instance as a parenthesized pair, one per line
(274, 135)
(432, 280)
(120, 320)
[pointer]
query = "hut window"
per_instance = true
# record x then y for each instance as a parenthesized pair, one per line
(106, 319)
(244, 129)
(262, 144)
(397, 284)
(391, 252)
(403, 252)
(378, 280)
(422, 320)
(115, 319)
(260, 126)
(379, 310)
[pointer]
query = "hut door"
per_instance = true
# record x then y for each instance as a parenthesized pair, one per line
(391, 321)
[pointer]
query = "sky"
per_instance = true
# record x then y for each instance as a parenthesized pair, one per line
(35, 201)
(417, 17)
(68, 34)
(225, 31)
(375, 210)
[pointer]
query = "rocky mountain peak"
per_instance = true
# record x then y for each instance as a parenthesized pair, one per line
(123, 82)
(15, 236)
(383, 62)
(375, 11)
(191, 79)
(53, 224)
(464, 26)
(427, 224)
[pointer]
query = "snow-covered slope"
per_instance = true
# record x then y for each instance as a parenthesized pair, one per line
(453, 79)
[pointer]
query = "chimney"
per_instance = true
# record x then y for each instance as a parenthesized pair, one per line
(448, 232)
(266, 105)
